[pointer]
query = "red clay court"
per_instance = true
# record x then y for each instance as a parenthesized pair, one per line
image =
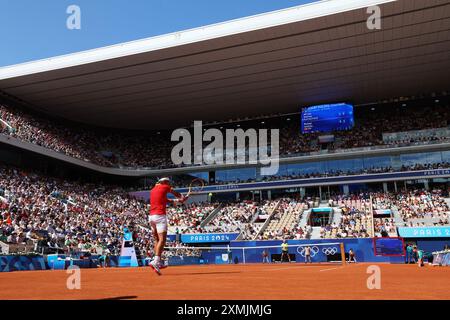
(251, 281)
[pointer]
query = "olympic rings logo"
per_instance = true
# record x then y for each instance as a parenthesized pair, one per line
(315, 250)
(329, 251)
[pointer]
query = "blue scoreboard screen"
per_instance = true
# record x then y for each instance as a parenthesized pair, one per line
(327, 118)
(388, 246)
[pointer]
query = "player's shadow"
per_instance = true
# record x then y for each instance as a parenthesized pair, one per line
(120, 298)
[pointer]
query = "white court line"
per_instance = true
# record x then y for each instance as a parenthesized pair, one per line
(291, 267)
(332, 268)
(340, 267)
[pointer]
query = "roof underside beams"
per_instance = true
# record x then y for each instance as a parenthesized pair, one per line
(277, 69)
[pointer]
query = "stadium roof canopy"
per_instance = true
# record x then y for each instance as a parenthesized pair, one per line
(268, 63)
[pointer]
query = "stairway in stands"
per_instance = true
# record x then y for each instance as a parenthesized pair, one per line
(212, 215)
(271, 212)
(304, 218)
(397, 217)
(337, 215)
(315, 234)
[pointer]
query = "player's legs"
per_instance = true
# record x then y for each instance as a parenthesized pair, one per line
(155, 237)
(158, 224)
(153, 263)
(159, 246)
(159, 229)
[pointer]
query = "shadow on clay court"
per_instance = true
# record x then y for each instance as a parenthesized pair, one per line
(119, 298)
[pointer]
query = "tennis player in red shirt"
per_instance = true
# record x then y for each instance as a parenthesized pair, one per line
(158, 219)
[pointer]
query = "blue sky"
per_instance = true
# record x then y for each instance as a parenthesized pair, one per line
(36, 29)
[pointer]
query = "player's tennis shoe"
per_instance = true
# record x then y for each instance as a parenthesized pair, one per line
(155, 266)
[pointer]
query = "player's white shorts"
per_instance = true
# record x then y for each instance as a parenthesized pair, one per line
(158, 222)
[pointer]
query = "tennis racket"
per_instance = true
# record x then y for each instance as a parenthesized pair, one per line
(195, 186)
